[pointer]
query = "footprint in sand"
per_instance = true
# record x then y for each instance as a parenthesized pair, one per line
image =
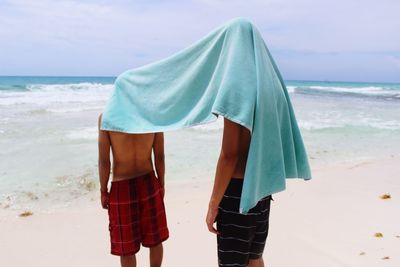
(386, 196)
(26, 214)
(378, 235)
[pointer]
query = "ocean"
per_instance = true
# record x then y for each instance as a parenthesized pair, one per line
(48, 134)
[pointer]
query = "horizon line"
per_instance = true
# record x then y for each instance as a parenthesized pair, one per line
(107, 76)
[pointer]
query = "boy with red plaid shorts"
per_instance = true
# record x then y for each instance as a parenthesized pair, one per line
(135, 200)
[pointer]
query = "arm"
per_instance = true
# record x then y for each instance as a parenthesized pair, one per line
(104, 163)
(159, 158)
(225, 168)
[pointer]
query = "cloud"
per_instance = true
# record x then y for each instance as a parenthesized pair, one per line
(107, 37)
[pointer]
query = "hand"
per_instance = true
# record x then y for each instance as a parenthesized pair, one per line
(104, 198)
(162, 189)
(211, 217)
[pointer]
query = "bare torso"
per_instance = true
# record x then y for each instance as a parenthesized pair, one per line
(244, 145)
(131, 155)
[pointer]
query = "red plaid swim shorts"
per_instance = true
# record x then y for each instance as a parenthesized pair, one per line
(137, 215)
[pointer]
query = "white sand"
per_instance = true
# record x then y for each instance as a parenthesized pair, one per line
(325, 222)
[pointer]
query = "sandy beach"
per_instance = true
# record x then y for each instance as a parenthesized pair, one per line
(323, 75)
(329, 221)
(352, 143)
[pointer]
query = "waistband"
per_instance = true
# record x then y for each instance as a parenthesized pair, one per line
(144, 176)
(234, 188)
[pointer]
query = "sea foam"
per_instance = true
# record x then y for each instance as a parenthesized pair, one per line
(369, 91)
(44, 94)
(88, 133)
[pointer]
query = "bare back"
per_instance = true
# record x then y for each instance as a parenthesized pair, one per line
(244, 145)
(131, 154)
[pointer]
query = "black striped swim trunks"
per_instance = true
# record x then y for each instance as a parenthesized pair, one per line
(241, 236)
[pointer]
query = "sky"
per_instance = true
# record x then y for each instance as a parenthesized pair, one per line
(334, 40)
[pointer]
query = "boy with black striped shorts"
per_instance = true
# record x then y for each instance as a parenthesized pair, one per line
(240, 237)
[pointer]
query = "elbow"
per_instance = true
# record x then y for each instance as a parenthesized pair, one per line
(159, 158)
(104, 163)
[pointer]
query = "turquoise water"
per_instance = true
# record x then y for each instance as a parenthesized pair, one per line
(48, 149)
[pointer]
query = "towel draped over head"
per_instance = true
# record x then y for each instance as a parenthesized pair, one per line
(231, 73)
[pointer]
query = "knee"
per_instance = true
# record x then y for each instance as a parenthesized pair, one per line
(156, 255)
(256, 263)
(127, 259)
(157, 249)
(155, 263)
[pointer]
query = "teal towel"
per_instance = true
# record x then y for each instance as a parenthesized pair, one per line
(231, 73)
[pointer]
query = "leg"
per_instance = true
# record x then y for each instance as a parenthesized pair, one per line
(235, 229)
(261, 233)
(256, 263)
(123, 210)
(156, 255)
(154, 222)
(128, 261)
